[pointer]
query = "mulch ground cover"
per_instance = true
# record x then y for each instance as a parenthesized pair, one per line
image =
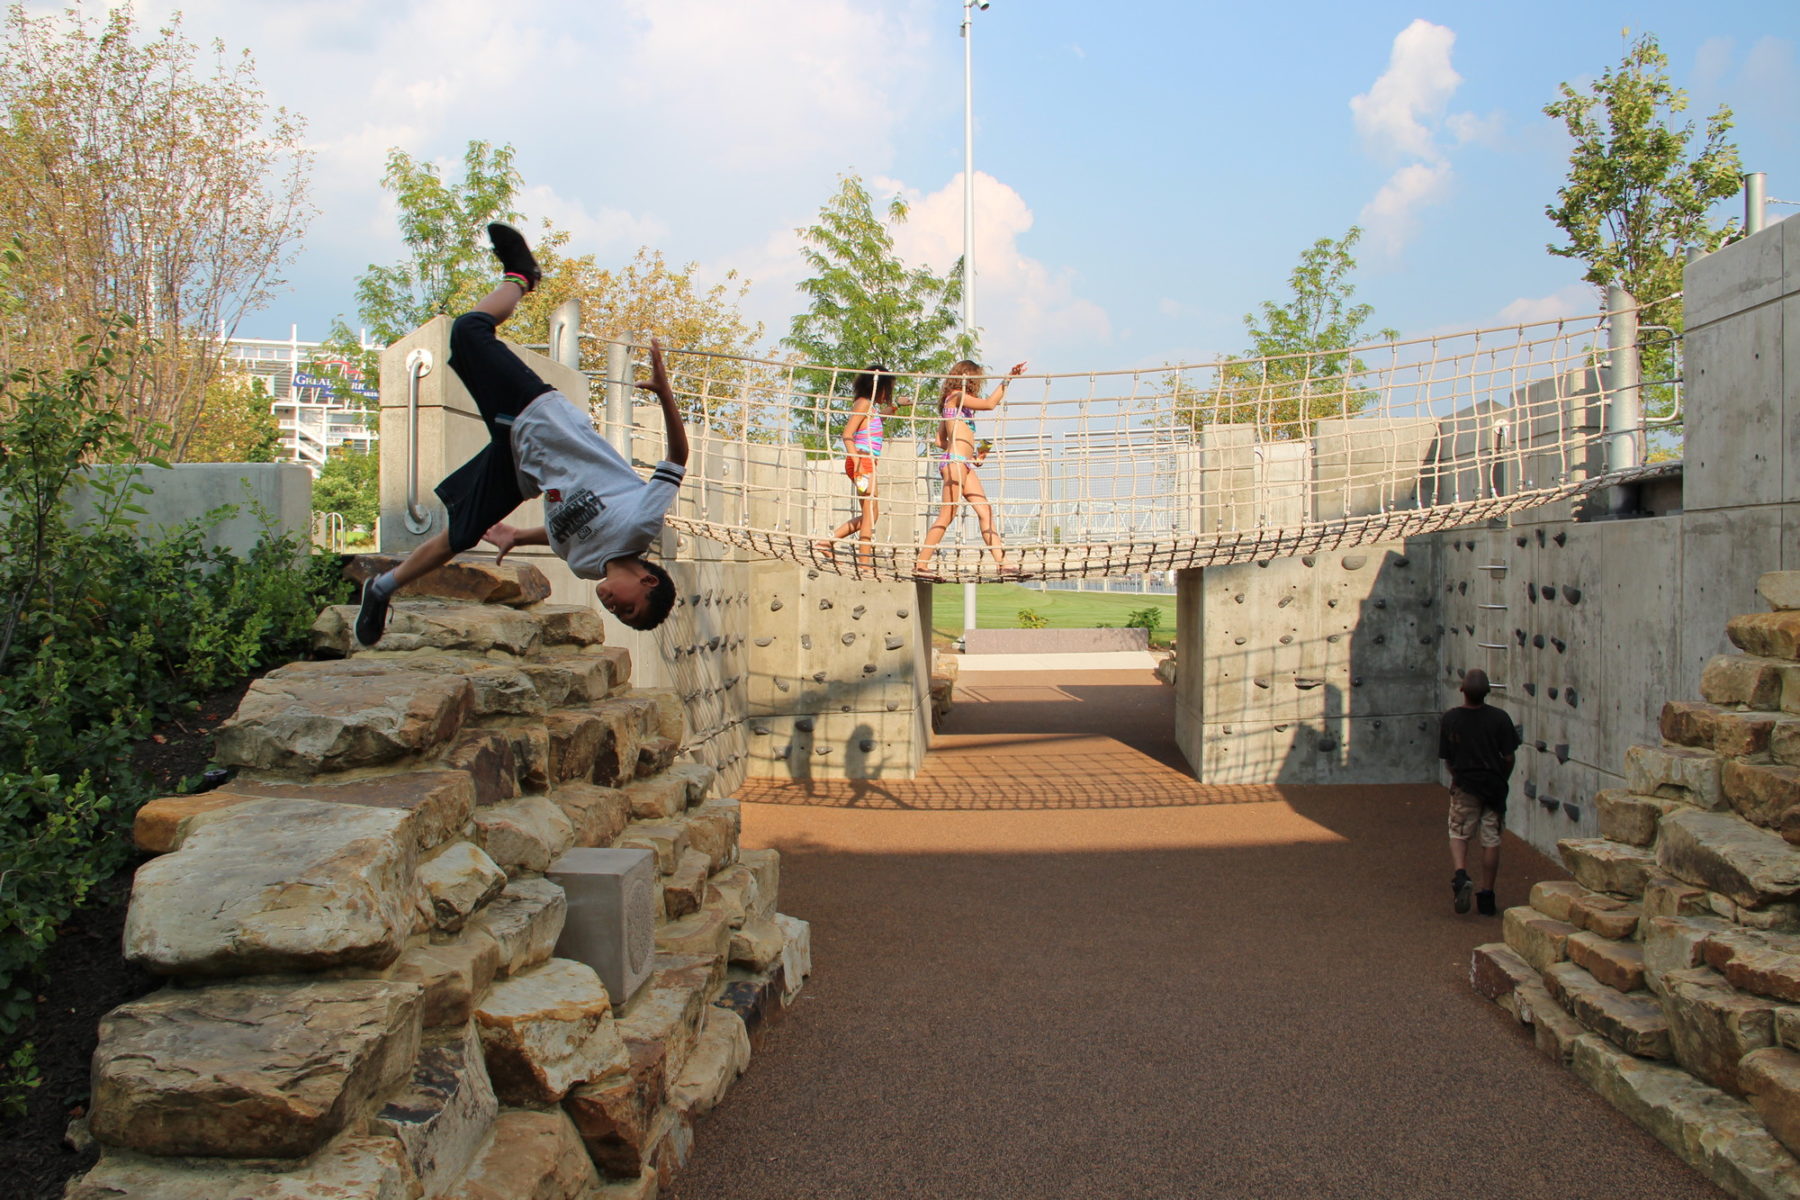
(86, 976)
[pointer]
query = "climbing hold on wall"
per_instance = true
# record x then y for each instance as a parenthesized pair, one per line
(1356, 681)
(1570, 698)
(764, 641)
(1519, 635)
(825, 603)
(1331, 603)
(1238, 599)
(806, 641)
(1537, 640)
(1355, 562)
(1571, 594)
(1531, 689)
(1307, 685)
(1307, 560)
(781, 685)
(1471, 630)
(1550, 692)
(1548, 591)
(856, 613)
(1332, 638)
(775, 604)
(892, 642)
(1326, 743)
(903, 613)
(849, 639)
(868, 669)
(1380, 603)
(1286, 639)
(1400, 560)
(1531, 591)
(1520, 540)
(1541, 745)
(1561, 538)
(1381, 639)
(1573, 809)
(1260, 682)
(867, 745)
(804, 724)
(1530, 790)
(760, 730)
(1562, 752)
(1559, 644)
(1540, 536)
(818, 677)
(1462, 587)
(1239, 640)
(1284, 602)
(893, 706)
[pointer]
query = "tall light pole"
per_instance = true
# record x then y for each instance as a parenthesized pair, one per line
(968, 271)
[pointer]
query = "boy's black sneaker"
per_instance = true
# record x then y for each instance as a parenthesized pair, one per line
(1461, 886)
(371, 618)
(514, 255)
(1484, 903)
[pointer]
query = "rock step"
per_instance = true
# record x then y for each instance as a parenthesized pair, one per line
(429, 624)
(547, 1028)
(1765, 794)
(1713, 1025)
(470, 580)
(309, 718)
(1723, 854)
(1767, 964)
(1631, 819)
(1675, 772)
(364, 1166)
(1767, 635)
(1632, 1021)
(1716, 1134)
(1618, 965)
(1771, 1079)
(1745, 682)
(1601, 865)
(249, 1070)
(1540, 941)
(1726, 732)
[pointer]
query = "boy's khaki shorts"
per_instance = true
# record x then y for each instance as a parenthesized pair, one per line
(1467, 815)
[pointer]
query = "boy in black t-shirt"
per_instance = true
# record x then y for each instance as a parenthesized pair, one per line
(1476, 741)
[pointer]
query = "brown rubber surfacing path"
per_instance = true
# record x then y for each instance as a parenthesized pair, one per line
(1054, 966)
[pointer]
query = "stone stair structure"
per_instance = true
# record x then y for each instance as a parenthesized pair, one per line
(361, 929)
(1666, 974)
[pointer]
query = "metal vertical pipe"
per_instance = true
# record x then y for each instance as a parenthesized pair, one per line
(565, 334)
(1622, 380)
(618, 396)
(1755, 205)
(968, 280)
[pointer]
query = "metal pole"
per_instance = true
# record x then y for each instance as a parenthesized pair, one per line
(618, 397)
(565, 334)
(968, 280)
(1622, 379)
(1754, 205)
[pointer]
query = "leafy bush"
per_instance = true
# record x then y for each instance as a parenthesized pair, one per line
(102, 634)
(1030, 618)
(1147, 619)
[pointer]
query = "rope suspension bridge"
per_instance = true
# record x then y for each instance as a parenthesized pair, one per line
(1191, 465)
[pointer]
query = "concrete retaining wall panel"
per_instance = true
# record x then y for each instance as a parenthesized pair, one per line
(1735, 456)
(189, 491)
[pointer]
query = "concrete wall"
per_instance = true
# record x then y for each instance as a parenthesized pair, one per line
(189, 491)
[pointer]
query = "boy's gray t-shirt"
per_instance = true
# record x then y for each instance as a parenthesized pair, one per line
(596, 507)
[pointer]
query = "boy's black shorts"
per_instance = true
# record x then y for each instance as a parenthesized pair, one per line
(485, 489)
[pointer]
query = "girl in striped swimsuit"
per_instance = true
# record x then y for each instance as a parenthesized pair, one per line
(962, 399)
(873, 390)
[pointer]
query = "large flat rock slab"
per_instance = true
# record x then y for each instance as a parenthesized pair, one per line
(1725, 854)
(276, 885)
(314, 717)
(473, 581)
(249, 1070)
(433, 625)
(354, 1167)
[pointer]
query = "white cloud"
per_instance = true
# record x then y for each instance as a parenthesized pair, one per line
(1023, 306)
(1402, 116)
(1572, 300)
(610, 232)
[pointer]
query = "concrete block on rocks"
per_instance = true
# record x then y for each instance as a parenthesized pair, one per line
(352, 1167)
(1634, 1021)
(1762, 793)
(249, 1071)
(444, 1112)
(1606, 866)
(1771, 1080)
(598, 815)
(796, 954)
(459, 880)
(720, 1054)
(1716, 1134)
(546, 1029)
(1631, 819)
(1618, 965)
(527, 834)
(276, 885)
(530, 1156)
(525, 920)
(1712, 1025)
(307, 721)
(1675, 772)
(1739, 681)
(611, 925)
(1722, 853)
(451, 974)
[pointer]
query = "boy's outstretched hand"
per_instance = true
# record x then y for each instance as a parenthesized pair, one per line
(659, 375)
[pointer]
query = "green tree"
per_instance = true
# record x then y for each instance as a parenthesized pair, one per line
(864, 305)
(349, 484)
(143, 180)
(239, 427)
(1635, 200)
(1299, 368)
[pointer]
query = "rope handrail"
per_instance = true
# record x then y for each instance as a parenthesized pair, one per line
(1157, 468)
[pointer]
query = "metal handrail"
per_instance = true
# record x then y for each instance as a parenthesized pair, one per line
(418, 365)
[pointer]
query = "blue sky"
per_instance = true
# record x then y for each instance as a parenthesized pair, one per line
(1147, 172)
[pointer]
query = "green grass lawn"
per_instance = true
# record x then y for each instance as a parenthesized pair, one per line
(997, 606)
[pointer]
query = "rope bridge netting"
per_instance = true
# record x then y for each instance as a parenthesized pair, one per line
(1157, 469)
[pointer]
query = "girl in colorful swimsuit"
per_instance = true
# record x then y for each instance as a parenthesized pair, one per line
(874, 393)
(958, 458)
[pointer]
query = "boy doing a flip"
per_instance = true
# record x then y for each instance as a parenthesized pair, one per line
(599, 515)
